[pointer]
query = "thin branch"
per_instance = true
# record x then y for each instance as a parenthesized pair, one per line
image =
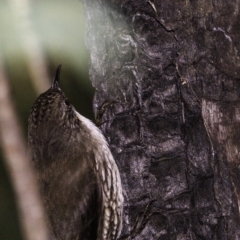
(19, 167)
(31, 45)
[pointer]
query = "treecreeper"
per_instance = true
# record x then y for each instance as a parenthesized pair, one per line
(79, 180)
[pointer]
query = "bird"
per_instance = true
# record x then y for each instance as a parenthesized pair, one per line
(79, 180)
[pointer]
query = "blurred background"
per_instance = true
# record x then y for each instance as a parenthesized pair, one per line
(35, 37)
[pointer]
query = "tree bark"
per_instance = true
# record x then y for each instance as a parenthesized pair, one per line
(173, 69)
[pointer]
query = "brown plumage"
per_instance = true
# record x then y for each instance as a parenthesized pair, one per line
(79, 179)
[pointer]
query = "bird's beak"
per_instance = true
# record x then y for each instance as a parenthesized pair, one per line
(56, 78)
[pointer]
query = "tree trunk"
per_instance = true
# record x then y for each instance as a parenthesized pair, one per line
(173, 69)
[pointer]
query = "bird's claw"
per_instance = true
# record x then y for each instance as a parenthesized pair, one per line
(101, 110)
(140, 222)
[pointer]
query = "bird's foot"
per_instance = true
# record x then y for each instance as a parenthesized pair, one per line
(140, 222)
(101, 110)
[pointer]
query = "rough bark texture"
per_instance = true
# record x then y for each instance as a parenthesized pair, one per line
(173, 69)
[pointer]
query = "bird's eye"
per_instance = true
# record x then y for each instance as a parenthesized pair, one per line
(67, 102)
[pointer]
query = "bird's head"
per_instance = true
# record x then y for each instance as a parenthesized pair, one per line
(51, 106)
